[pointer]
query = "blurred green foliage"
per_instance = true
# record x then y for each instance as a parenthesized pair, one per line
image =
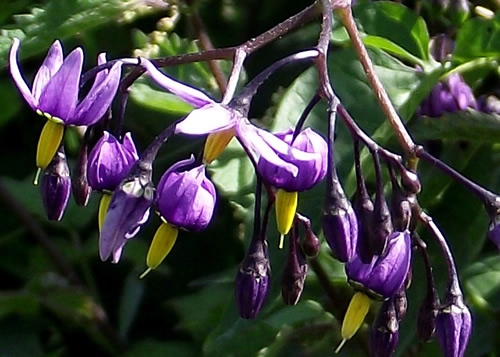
(58, 299)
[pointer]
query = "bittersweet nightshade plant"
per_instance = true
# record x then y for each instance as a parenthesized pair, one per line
(56, 186)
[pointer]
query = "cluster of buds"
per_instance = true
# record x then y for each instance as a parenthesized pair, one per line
(373, 237)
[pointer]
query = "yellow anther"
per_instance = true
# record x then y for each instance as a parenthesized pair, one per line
(162, 244)
(286, 206)
(50, 139)
(216, 143)
(354, 317)
(103, 208)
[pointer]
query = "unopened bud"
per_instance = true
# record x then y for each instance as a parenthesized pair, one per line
(294, 275)
(384, 335)
(311, 244)
(56, 186)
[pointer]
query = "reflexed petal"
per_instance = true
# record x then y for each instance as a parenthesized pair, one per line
(210, 118)
(189, 94)
(61, 93)
(98, 100)
(17, 76)
(48, 69)
(129, 145)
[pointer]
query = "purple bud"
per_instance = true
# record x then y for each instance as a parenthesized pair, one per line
(311, 244)
(110, 161)
(400, 205)
(426, 321)
(186, 198)
(252, 280)
(453, 327)
(340, 227)
(386, 273)
(400, 303)
(295, 272)
(309, 171)
(494, 230)
(381, 224)
(410, 181)
(56, 186)
(384, 335)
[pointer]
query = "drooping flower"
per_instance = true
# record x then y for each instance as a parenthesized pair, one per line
(252, 280)
(265, 149)
(128, 211)
(386, 273)
(56, 186)
(55, 91)
(185, 199)
(384, 334)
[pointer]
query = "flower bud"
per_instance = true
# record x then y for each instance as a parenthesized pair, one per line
(295, 272)
(400, 206)
(252, 280)
(384, 334)
(311, 244)
(410, 181)
(453, 327)
(426, 321)
(386, 273)
(56, 186)
(400, 303)
(186, 197)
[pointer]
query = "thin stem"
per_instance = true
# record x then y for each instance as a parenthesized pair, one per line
(300, 123)
(454, 286)
(206, 44)
(357, 132)
(489, 199)
(242, 101)
(382, 97)
(258, 201)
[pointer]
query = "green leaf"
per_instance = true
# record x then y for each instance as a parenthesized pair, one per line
(391, 47)
(469, 125)
(478, 37)
(153, 348)
(483, 282)
(131, 298)
(158, 100)
(396, 23)
(59, 19)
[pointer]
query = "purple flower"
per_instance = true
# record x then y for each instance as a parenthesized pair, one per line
(56, 187)
(386, 273)
(453, 327)
(110, 161)
(186, 199)
(212, 117)
(55, 89)
(128, 211)
(310, 172)
(449, 96)
(252, 280)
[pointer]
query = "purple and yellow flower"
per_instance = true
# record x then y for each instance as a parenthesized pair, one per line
(54, 95)
(272, 154)
(108, 164)
(185, 200)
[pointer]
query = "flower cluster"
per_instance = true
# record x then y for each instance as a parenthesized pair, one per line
(373, 237)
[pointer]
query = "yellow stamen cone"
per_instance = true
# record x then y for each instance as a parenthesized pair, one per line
(162, 244)
(354, 317)
(103, 208)
(50, 139)
(286, 206)
(216, 143)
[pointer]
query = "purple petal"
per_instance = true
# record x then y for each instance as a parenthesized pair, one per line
(101, 76)
(61, 93)
(208, 119)
(129, 145)
(91, 109)
(17, 76)
(48, 69)
(189, 94)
